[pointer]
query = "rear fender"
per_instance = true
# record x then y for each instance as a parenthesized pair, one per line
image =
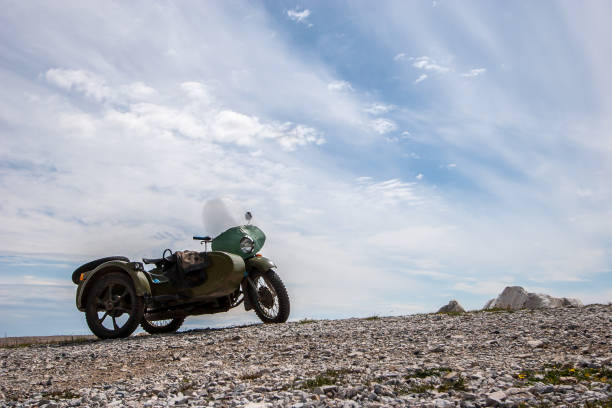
(132, 269)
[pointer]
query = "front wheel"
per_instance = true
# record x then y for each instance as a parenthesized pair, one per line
(161, 326)
(269, 297)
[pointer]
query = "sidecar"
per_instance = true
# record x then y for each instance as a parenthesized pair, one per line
(116, 293)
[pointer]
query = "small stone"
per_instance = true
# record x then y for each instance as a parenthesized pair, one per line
(441, 403)
(535, 343)
(496, 398)
(542, 389)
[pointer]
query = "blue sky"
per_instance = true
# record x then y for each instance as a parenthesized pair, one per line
(397, 156)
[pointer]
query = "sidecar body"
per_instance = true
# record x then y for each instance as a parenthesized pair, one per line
(223, 276)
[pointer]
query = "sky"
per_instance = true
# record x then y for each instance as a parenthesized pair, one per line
(397, 156)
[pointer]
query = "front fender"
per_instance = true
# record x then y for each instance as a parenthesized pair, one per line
(132, 269)
(258, 264)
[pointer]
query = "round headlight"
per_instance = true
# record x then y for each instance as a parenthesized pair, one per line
(247, 244)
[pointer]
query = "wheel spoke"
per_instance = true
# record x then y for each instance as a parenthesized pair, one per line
(123, 293)
(99, 302)
(115, 323)
(103, 317)
(110, 292)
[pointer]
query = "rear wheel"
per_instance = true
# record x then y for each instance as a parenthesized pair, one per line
(113, 310)
(269, 297)
(161, 326)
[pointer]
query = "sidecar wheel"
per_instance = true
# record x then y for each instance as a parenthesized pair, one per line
(270, 300)
(161, 326)
(113, 310)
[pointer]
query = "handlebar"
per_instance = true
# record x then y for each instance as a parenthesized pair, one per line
(206, 238)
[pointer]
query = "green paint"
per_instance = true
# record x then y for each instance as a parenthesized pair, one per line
(229, 241)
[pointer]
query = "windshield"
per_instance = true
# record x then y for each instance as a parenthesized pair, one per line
(221, 214)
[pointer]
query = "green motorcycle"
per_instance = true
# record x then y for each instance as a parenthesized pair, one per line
(117, 294)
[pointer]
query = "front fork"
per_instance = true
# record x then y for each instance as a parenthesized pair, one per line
(255, 265)
(246, 282)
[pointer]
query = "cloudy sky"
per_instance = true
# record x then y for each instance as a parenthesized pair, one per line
(396, 157)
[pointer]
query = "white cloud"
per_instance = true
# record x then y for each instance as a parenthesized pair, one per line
(300, 135)
(394, 189)
(339, 86)
(382, 126)
(299, 16)
(93, 86)
(225, 125)
(230, 126)
(429, 64)
(474, 72)
(419, 176)
(400, 56)
(138, 91)
(421, 78)
(79, 80)
(378, 108)
(196, 90)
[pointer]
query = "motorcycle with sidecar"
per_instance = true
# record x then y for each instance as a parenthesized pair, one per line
(117, 294)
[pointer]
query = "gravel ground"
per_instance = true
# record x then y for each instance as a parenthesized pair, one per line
(552, 358)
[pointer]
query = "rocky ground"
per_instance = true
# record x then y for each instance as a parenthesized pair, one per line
(553, 358)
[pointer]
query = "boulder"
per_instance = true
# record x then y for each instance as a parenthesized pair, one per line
(452, 307)
(515, 298)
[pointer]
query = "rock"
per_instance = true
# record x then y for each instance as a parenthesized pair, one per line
(441, 403)
(383, 390)
(496, 398)
(542, 389)
(452, 307)
(535, 343)
(515, 298)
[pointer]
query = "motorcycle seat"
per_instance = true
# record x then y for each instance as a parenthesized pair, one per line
(148, 261)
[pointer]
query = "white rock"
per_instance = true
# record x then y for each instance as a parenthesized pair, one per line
(440, 403)
(496, 398)
(535, 343)
(515, 298)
